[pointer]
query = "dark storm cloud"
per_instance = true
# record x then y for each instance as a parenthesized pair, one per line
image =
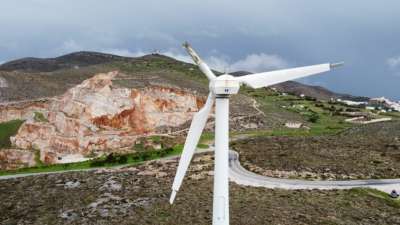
(255, 35)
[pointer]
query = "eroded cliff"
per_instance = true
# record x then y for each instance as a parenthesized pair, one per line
(97, 116)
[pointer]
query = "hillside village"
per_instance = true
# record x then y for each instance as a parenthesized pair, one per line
(381, 104)
(370, 111)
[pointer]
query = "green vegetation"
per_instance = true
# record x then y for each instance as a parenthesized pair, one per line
(164, 65)
(203, 146)
(139, 147)
(376, 194)
(320, 117)
(156, 139)
(39, 117)
(8, 129)
(206, 136)
(119, 159)
(39, 162)
(394, 115)
(110, 160)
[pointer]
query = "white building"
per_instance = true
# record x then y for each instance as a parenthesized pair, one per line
(352, 103)
(383, 102)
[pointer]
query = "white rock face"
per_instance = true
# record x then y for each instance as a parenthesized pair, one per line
(97, 116)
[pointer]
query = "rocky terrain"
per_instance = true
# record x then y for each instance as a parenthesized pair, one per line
(98, 116)
(70, 113)
(13, 158)
(139, 195)
(364, 152)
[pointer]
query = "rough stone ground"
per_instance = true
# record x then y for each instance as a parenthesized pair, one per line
(139, 195)
(364, 152)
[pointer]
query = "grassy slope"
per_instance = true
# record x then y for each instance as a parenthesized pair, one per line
(279, 109)
(8, 129)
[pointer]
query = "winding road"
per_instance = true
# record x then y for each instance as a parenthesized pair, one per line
(241, 176)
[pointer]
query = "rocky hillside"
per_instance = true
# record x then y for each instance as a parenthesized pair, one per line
(72, 112)
(97, 116)
(140, 194)
(28, 79)
(69, 111)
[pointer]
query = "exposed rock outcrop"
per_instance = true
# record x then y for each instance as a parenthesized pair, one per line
(98, 116)
(14, 158)
(22, 110)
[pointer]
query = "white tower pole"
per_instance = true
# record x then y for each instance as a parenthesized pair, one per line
(221, 88)
(221, 182)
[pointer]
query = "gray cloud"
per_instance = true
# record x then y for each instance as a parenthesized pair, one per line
(252, 35)
(393, 62)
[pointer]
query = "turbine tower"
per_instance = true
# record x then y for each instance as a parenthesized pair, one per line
(221, 88)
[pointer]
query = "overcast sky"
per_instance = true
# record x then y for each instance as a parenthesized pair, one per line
(229, 35)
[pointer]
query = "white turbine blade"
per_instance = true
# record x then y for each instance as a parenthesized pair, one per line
(266, 79)
(192, 139)
(196, 58)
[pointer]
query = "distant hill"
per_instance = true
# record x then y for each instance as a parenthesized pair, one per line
(317, 92)
(32, 78)
(76, 59)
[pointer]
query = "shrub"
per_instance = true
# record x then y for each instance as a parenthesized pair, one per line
(39, 117)
(313, 117)
(8, 129)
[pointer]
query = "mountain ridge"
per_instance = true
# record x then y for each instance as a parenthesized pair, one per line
(70, 60)
(76, 60)
(314, 91)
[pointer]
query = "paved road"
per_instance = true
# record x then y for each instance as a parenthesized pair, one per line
(242, 176)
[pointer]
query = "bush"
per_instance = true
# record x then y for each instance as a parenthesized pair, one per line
(308, 98)
(110, 160)
(313, 117)
(39, 117)
(8, 129)
(116, 159)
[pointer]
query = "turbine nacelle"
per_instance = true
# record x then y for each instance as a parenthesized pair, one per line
(224, 85)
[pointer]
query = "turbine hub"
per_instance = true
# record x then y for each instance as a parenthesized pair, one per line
(225, 85)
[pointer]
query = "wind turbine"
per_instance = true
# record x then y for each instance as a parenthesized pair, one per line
(221, 88)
